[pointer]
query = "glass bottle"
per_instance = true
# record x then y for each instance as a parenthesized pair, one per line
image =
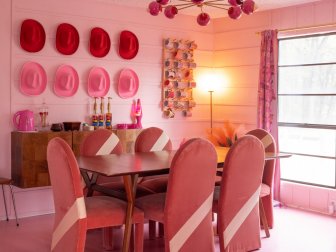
(101, 115)
(94, 115)
(43, 112)
(108, 116)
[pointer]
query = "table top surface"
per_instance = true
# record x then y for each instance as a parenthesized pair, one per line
(144, 162)
(127, 163)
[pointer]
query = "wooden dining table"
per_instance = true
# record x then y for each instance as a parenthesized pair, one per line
(132, 165)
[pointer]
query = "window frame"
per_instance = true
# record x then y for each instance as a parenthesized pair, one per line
(305, 125)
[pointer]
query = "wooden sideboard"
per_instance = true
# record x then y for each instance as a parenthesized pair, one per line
(29, 153)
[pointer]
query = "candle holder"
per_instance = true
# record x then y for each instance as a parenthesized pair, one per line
(43, 116)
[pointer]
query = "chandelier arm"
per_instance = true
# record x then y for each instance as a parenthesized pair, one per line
(185, 7)
(221, 6)
(185, 4)
(215, 1)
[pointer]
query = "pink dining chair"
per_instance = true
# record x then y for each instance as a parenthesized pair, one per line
(153, 139)
(74, 213)
(266, 194)
(236, 200)
(185, 209)
(103, 142)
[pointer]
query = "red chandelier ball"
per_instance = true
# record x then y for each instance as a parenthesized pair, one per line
(235, 8)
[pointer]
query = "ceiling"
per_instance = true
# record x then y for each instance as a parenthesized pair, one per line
(214, 12)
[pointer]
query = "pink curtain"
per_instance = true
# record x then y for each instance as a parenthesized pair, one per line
(267, 93)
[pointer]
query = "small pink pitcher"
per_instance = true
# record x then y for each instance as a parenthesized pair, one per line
(24, 120)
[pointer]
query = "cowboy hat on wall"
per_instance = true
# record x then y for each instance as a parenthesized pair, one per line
(100, 42)
(67, 39)
(128, 83)
(33, 79)
(98, 82)
(66, 81)
(128, 45)
(32, 35)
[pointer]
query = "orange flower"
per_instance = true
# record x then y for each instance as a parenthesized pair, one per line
(225, 136)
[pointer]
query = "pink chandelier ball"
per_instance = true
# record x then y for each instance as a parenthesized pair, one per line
(235, 12)
(170, 11)
(235, 8)
(154, 8)
(203, 19)
(248, 7)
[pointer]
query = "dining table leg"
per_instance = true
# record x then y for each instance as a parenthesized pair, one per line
(89, 182)
(130, 183)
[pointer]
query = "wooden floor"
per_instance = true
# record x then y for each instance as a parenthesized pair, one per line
(295, 231)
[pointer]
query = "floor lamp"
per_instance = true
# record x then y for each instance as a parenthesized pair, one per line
(211, 91)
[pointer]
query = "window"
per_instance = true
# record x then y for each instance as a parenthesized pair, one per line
(307, 109)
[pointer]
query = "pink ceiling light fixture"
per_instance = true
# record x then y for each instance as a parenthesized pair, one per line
(235, 8)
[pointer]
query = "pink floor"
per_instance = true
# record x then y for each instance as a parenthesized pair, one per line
(295, 231)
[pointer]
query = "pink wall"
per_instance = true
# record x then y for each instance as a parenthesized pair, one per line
(236, 54)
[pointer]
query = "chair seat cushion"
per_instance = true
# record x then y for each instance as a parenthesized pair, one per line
(115, 186)
(153, 206)
(119, 187)
(105, 211)
(265, 190)
(158, 184)
(155, 184)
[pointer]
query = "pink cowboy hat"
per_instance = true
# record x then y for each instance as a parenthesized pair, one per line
(33, 79)
(99, 82)
(66, 81)
(128, 83)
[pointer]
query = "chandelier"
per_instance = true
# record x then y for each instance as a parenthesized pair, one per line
(235, 8)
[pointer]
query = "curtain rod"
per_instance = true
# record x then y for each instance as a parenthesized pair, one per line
(304, 28)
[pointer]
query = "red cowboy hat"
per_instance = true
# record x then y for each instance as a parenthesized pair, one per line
(32, 35)
(99, 42)
(67, 39)
(128, 45)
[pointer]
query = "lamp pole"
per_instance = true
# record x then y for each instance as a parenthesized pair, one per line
(211, 91)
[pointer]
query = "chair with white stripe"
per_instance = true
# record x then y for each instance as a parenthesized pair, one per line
(153, 139)
(74, 213)
(266, 194)
(103, 142)
(236, 200)
(185, 209)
